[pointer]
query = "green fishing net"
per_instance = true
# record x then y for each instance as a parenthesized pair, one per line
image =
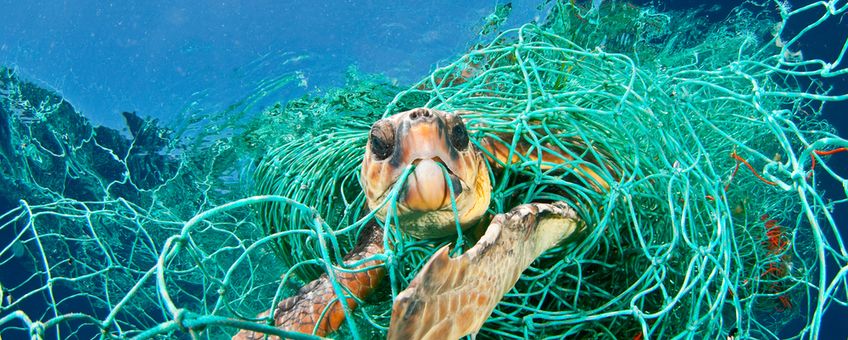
(710, 135)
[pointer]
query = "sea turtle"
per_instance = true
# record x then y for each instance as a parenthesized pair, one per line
(450, 297)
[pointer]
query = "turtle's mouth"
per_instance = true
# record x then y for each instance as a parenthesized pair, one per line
(427, 188)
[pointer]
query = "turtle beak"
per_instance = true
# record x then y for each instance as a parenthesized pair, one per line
(426, 188)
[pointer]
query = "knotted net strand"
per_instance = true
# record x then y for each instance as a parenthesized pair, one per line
(713, 225)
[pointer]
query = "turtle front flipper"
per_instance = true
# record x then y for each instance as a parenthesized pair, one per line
(453, 297)
(305, 311)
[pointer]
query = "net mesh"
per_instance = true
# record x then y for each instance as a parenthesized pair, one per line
(714, 224)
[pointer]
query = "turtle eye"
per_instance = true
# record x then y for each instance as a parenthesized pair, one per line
(459, 136)
(382, 140)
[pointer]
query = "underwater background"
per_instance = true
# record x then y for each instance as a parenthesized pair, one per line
(143, 76)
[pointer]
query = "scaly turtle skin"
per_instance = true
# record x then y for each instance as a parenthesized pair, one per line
(450, 297)
(425, 137)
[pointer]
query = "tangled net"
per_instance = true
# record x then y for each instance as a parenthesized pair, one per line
(714, 224)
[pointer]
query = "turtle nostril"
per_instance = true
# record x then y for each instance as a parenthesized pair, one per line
(421, 113)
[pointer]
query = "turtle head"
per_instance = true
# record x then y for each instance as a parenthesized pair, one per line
(429, 139)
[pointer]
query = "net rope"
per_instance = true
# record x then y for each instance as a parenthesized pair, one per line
(710, 134)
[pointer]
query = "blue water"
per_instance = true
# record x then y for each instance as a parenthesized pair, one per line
(111, 57)
(157, 58)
